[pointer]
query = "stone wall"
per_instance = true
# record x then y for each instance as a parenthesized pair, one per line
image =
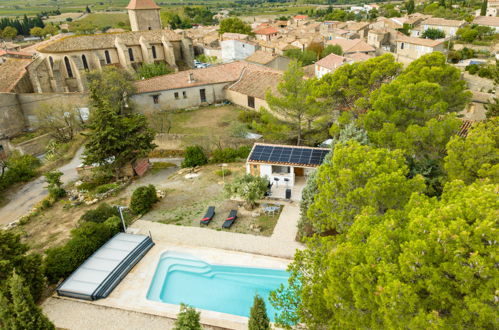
(36, 146)
(12, 120)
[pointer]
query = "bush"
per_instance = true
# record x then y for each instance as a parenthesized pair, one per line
(85, 240)
(223, 172)
(194, 156)
(20, 168)
(187, 319)
(55, 184)
(86, 186)
(143, 198)
(248, 116)
(472, 68)
(248, 187)
(229, 155)
(106, 187)
(103, 212)
(258, 319)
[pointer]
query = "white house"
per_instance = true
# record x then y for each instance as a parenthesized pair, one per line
(329, 64)
(448, 26)
(235, 49)
(414, 48)
(490, 21)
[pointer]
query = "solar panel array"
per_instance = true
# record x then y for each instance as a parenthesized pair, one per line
(293, 155)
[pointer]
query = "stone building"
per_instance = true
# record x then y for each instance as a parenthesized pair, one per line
(144, 15)
(61, 64)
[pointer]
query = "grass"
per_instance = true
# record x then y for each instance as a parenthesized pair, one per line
(27, 136)
(101, 20)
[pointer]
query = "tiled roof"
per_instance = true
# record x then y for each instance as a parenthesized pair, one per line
(142, 4)
(301, 17)
(267, 30)
(487, 20)
(261, 57)
(256, 83)
(420, 41)
(216, 74)
(437, 21)
(352, 45)
(332, 61)
(11, 71)
(106, 40)
(359, 57)
(11, 52)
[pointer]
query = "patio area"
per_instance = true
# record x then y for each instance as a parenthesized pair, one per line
(278, 190)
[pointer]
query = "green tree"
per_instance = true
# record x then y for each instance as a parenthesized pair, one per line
(250, 188)
(55, 189)
(483, 8)
(433, 34)
(111, 88)
(429, 265)
(492, 109)
(194, 156)
(146, 71)
(356, 178)
(36, 31)
(50, 29)
(294, 101)
(475, 156)
(9, 32)
(143, 198)
(258, 319)
(187, 319)
(234, 25)
(18, 309)
(305, 57)
(332, 49)
(409, 6)
(350, 86)
(14, 256)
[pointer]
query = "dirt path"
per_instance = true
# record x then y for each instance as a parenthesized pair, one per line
(33, 192)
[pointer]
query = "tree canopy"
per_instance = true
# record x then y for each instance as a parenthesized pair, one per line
(234, 25)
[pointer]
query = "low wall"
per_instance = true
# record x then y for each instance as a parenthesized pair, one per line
(35, 146)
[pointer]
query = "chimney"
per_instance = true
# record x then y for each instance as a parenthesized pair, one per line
(191, 77)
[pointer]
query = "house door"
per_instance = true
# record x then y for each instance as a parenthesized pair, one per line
(255, 170)
(251, 102)
(202, 95)
(299, 171)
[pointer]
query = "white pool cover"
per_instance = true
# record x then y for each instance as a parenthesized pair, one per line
(103, 270)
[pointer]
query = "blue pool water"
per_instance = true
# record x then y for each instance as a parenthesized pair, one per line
(181, 278)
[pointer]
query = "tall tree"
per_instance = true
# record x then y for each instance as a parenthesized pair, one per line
(360, 177)
(409, 6)
(294, 102)
(187, 319)
(483, 8)
(258, 319)
(475, 156)
(17, 308)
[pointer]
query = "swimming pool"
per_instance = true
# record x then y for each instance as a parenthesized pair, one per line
(182, 278)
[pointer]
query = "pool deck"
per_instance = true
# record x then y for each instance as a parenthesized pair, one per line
(128, 299)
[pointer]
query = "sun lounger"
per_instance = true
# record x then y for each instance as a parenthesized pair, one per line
(210, 213)
(230, 219)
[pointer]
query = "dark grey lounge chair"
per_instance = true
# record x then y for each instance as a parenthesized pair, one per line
(230, 219)
(210, 213)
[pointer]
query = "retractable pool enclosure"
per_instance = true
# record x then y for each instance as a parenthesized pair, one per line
(103, 270)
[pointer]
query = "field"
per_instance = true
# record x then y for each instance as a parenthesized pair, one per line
(100, 20)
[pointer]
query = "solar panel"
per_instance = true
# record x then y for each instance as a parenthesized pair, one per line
(292, 155)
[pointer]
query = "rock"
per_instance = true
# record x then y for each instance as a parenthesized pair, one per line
(78, 183)
(191, 175)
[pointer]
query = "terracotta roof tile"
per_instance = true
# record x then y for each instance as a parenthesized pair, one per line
(332, 61)
(267, 30)
(420, 41)
(352, 45)
(106, 40)
(11, 71)
(256, 83)
(487, 21)
(261, 57)
(142, 4)
(437, 21)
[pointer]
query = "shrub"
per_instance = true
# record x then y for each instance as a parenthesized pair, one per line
(194, 156)
(106, 187)
(472, 68)
(86, 186)
(248, 187)
(228, 155)
(248, 116)
(55, 184)
(223, 172)
(143, 199)
(258, 319)
(85, 240)
(20, 168)
(103, 212)
(187, 319)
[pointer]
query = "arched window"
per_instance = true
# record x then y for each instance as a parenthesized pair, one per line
(68, 67)
(108, 58)
(130, 54)
(153, 49)
(51, 61)
(85, 63)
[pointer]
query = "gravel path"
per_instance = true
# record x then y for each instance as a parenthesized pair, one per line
(34, 191)
(286, 228)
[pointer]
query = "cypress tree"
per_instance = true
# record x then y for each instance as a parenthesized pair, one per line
(483, 10)
(258, 315)
(19, 311)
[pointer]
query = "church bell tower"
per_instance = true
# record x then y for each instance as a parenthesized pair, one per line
(144, 15)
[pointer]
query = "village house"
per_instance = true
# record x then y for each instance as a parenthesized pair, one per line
(266, 34)
(489, 21)
(329, 64)
(351, 46)
(448, 26)
(269, 60)
(414, 48)
(237, 49)
(379, 39)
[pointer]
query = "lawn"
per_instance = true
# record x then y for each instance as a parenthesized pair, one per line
(101, 20)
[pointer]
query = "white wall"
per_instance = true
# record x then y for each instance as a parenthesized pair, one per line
(233, 50)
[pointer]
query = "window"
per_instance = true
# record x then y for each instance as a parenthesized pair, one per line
(108, 58)
(251, 102)
(149, 28)
(153, 49)
(184, 94)
(402, 45)
(130, 54)
(202, 95)
(85, 63)
(155, 98)
(68, 67)
(176, 95)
